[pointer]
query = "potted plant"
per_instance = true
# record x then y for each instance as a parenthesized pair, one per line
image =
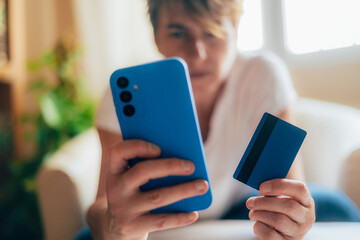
(65, 109)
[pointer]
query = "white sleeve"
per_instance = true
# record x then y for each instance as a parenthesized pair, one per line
(106, 118)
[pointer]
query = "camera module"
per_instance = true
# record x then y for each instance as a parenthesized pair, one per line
(125, 96)
(122, 82)
(129, 110)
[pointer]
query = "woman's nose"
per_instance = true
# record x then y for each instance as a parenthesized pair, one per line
(198, 50)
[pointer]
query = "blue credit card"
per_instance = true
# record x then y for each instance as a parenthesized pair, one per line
(271, 151)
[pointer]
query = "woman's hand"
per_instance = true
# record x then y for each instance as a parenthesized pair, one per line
(285, 211)
(127, 208)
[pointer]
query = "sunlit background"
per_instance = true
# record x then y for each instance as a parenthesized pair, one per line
(250, 27)
(56, 57)
(304, 30)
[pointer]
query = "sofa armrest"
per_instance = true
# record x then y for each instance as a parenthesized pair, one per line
(333, 134)
(67, 185)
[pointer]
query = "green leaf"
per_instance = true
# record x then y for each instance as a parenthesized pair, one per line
(29, 185)
(40, 84)
(33, 66)
(27, 118)
(50, 111)
(49, 59)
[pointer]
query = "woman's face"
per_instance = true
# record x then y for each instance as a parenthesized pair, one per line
(209, 58)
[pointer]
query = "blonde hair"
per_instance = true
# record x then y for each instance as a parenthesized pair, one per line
(207, 13)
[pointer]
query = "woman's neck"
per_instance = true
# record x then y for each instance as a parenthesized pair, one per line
(205, 104)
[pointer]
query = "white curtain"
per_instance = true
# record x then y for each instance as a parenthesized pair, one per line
(114, 34)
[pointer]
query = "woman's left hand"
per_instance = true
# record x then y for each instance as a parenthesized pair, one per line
(285, 211)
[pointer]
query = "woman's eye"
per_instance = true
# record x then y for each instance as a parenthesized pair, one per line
(209, 35)
(177, 34)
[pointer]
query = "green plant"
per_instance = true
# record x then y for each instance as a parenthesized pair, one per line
(65, 109)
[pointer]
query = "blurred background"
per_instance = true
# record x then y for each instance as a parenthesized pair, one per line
(56, 57)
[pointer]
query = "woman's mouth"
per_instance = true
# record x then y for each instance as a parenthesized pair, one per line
(199, 74)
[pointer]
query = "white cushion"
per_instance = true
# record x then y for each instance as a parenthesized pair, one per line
(350, 182)
(333, 132)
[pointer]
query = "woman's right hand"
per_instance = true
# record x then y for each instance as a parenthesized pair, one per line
(127, 213)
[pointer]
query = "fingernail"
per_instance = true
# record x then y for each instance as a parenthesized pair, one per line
(200, 186)
(266, 188)
(192, 216)
(186, 165)
(251, 214)
(250, 203)
(153, 147)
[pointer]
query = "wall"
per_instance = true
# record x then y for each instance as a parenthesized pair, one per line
(336, 83)
(114, 34)
(13, 71)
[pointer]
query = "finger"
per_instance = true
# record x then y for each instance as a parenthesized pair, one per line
(150, 200)
(278, 221)
(129, 149)
(263, 231)
(287, 187)
(287, 206)
(156, 222)
(142, 172)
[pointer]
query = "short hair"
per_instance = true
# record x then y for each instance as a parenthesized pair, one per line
(207, 13)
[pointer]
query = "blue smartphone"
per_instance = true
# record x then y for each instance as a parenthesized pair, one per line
(154, 102)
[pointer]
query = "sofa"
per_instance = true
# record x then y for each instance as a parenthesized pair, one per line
(67, 182)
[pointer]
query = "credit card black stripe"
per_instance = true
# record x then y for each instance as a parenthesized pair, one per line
(257, 149)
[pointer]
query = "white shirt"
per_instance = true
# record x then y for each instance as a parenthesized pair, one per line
(257, 83)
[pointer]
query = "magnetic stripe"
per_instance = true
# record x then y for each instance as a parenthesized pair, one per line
(257, 149)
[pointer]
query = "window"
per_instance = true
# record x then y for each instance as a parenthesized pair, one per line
(312, 26)
(250, 27)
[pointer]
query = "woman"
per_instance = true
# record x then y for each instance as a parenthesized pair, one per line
(231, 92)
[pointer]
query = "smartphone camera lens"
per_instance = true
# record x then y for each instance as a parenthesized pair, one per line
(122, 82)
(129, 110)
(125, 96)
